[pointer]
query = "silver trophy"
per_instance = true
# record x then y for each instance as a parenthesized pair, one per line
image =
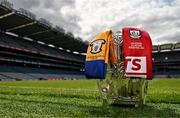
(117, 89)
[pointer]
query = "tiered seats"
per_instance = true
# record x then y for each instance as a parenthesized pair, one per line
(30, 73)
(18, 51)
(15, 42)
(166, 63)
(166, 56)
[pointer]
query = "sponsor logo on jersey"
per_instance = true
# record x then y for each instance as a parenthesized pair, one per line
(136, 66)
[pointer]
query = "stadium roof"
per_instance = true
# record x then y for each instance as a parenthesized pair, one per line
(14, 20)
(155, 48)
(177, 46)
(24, 23)
(168, 47)
(5, 8)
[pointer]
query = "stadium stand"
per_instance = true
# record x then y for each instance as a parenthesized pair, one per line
(25, 52)
(24, 23)
(166, 60)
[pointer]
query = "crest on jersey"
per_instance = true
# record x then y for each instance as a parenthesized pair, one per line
(136, 34)
(96, 46)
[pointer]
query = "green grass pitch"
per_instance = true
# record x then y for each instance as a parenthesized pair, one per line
(80, 98)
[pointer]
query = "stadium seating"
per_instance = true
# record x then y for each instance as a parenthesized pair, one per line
(32, 73)
(166, 63)
(166, 56)
(19, 52)
(12, 41)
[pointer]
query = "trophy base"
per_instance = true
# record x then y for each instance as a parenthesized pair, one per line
(123, 91)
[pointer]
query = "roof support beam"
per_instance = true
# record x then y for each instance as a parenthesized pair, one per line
(6, 15)
(21, 26)
(37, 33)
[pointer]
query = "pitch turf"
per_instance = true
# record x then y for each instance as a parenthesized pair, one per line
(80, 98)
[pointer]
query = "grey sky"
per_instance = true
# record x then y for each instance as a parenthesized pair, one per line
(86, 18)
